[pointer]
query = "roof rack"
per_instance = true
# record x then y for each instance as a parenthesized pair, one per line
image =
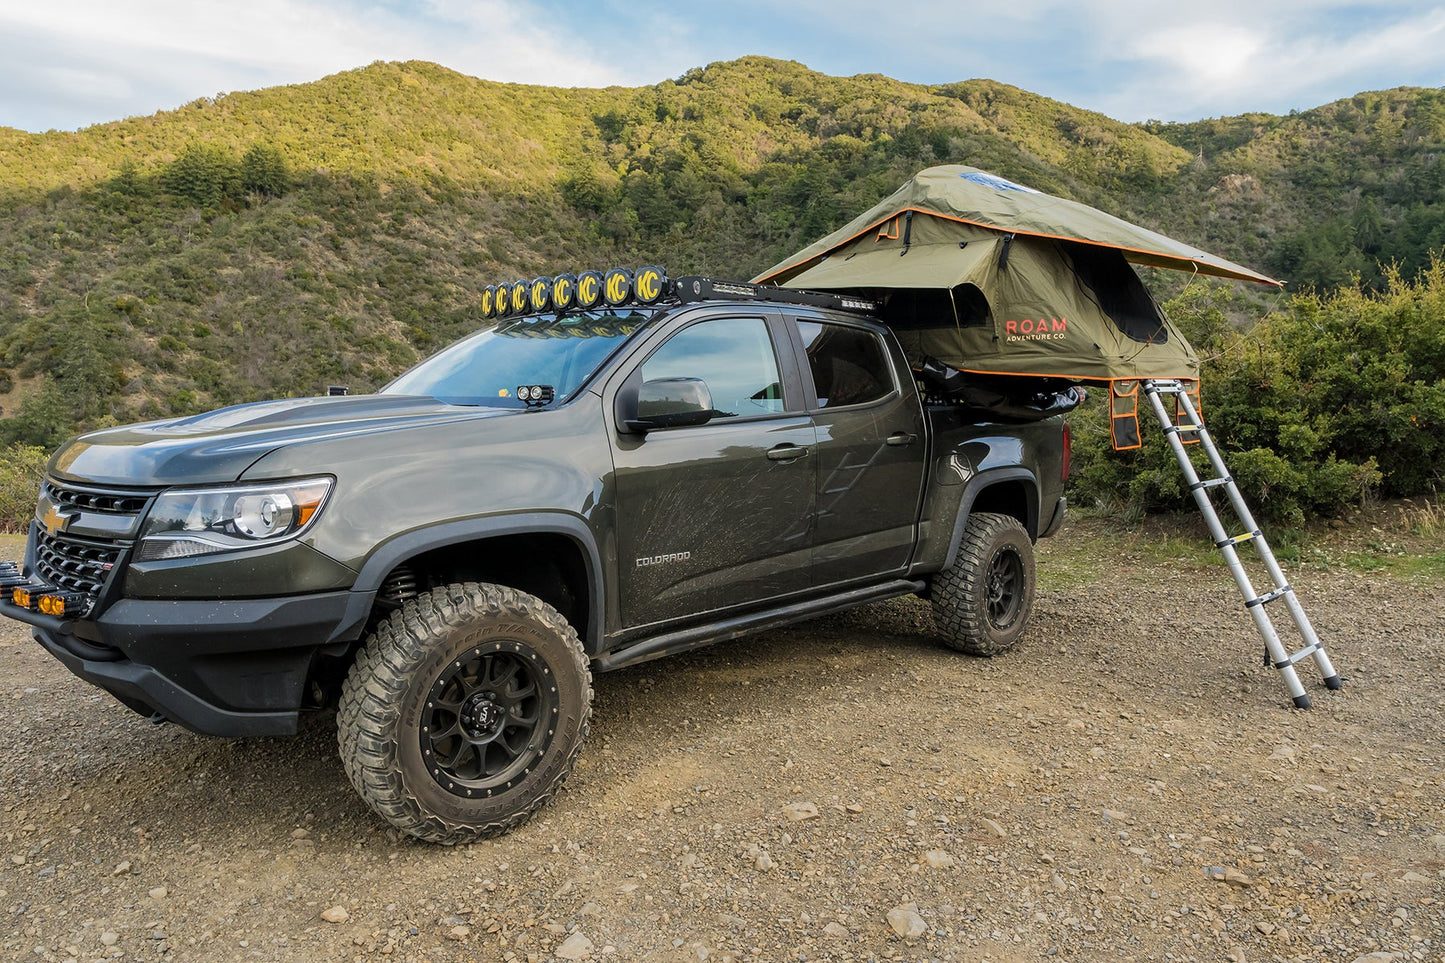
(648, 285)
(706, 289)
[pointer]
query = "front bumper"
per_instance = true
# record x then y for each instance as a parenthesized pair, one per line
(231, 667)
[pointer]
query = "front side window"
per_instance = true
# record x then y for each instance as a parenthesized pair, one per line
(733, 355)
(848, 364)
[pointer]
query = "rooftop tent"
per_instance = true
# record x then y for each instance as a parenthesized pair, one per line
(993, 277)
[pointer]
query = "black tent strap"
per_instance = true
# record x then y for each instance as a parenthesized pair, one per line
(1008, 241)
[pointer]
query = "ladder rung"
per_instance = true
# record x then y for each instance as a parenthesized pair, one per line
(1175, 429)
(1211, 483)
(1302, 653)
(1240, 539)
(1267, 597)
(1164, 387)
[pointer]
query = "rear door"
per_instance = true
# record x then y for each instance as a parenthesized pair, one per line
(871, 448)
(717, 515)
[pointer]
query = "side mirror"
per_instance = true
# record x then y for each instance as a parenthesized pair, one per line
(665, 403)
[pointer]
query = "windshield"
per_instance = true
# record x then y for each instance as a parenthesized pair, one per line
(487, 368)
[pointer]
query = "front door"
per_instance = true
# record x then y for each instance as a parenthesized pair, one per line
(717, 515)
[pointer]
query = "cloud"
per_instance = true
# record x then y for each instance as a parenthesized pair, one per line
(84, 61)
(73, 62)
(1276, 65)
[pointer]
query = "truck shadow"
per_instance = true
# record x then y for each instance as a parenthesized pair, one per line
(158, 784)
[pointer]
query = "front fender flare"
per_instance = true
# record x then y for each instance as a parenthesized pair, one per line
(392, 553)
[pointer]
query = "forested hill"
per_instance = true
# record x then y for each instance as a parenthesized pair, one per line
(272, 242)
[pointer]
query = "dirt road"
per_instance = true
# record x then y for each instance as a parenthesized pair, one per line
(1129, 783)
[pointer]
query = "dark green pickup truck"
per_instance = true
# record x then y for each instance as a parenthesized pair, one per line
(567, 490)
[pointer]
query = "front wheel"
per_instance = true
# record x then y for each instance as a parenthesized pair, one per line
(464, 712)
(981, 602)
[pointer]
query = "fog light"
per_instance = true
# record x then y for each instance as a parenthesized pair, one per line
(64, 603)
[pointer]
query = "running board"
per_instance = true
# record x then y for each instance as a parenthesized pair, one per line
(695, 638)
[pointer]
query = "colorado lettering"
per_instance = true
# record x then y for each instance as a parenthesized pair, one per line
(664, 559)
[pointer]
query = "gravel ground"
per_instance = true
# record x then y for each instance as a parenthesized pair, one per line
(1129, 783)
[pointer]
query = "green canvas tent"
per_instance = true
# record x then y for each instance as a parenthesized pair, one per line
(991, 277)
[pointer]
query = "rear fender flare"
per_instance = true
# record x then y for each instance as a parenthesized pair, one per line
(983, 481)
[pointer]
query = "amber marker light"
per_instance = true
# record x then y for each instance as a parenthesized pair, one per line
(21, 597)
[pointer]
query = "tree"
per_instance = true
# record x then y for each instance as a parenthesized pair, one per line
(264, 171)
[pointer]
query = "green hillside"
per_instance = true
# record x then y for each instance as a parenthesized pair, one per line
(269, 243)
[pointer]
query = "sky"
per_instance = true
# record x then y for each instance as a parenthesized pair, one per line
(66, 64)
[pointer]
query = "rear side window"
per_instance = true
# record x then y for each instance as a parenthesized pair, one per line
(848, 364)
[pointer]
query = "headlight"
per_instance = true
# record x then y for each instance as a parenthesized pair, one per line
(200, 521)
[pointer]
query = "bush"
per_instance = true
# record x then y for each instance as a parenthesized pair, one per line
(21, 468)
(1321, 404)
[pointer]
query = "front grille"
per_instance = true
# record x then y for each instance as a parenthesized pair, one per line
(73, 564)
(83, 558)
(73, 498)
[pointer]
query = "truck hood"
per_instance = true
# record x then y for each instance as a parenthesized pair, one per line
(219, 445)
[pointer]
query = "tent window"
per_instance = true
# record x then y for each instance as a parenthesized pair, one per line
(1118, 291)
(916, 309)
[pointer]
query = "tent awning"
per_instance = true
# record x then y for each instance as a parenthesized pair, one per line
(970, 196)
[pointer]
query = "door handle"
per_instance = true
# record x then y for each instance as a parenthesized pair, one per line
(900, 438)
(786, 452)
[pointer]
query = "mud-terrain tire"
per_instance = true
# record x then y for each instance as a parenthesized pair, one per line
(981, 602)
(464, 712)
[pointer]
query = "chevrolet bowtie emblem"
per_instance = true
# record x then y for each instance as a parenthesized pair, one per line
(55, 521)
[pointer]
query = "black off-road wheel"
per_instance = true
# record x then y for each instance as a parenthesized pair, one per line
(464, 712)
(981, 603)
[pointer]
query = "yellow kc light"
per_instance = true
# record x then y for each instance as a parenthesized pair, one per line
(589, 289)
(564, 291)
(489, 301)
(21, 597)
(519, 297)
(617, 286)
(649, 284)
(540, 297)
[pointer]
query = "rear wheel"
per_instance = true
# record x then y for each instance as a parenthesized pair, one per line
(464, 712)
(981, 603)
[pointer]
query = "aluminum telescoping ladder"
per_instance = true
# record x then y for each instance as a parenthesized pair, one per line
(1189, 424)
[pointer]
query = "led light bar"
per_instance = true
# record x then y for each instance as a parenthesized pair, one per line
(647, 285)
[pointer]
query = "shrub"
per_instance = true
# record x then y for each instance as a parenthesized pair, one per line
(21, 467)
(1322, 403)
